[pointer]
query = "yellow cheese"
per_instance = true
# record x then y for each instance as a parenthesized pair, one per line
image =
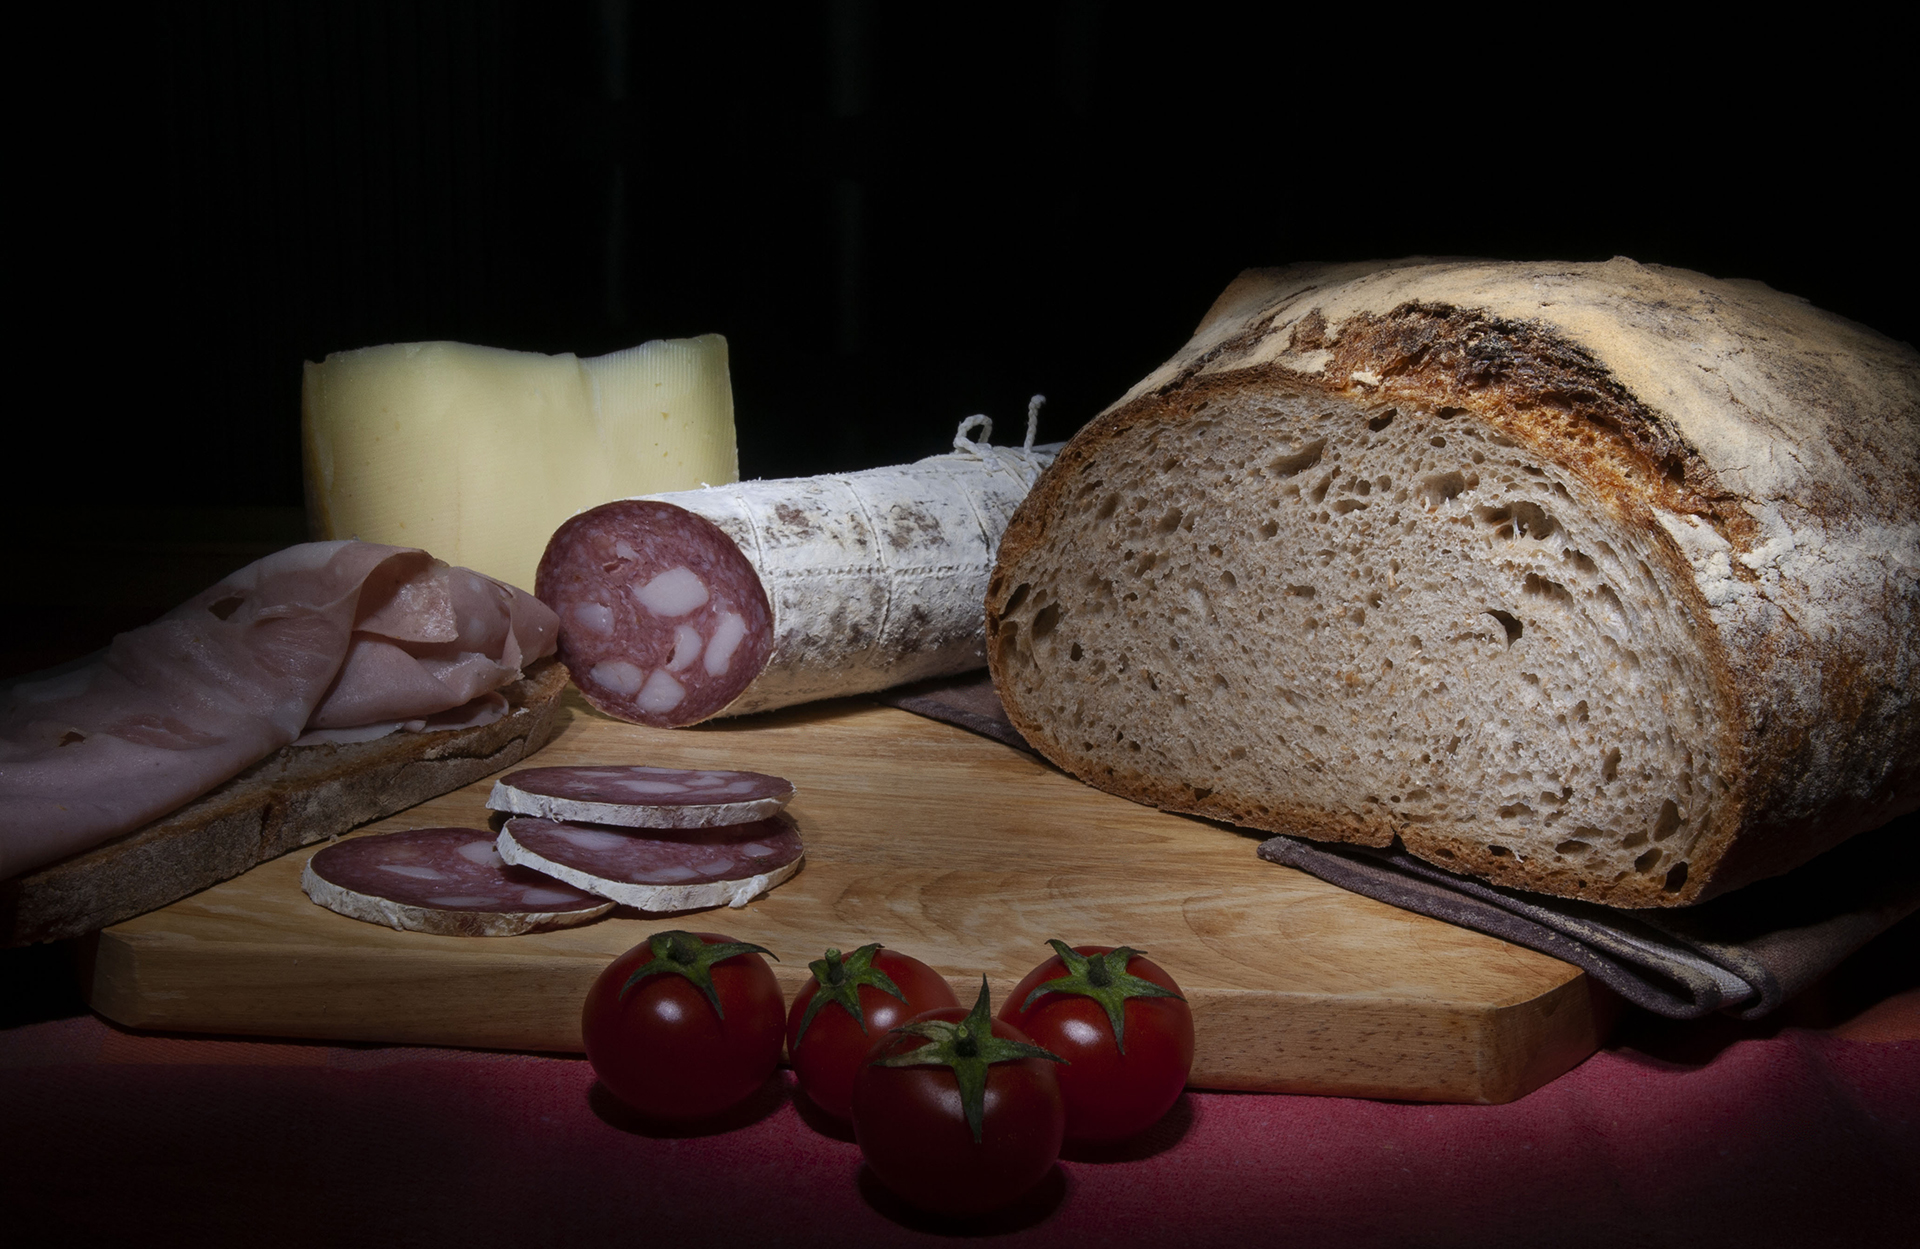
(478, 454)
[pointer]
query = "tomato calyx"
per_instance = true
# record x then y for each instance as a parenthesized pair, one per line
(969, 1047)
(838, 980)
(1105, 979)
(686, 954)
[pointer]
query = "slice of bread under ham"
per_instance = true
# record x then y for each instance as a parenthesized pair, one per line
(1601, 580)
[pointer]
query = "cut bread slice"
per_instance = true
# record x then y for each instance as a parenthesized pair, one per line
(1597, 580)
(294, 797)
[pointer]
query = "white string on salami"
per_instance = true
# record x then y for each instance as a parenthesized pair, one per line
(450, 882)
(761, 594)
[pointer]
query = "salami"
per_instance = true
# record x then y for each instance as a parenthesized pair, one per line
(642, 797)
(659, 870)
(447, 881)
(761, 594)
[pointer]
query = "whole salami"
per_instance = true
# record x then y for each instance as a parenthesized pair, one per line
(446, 881)
(741, 598)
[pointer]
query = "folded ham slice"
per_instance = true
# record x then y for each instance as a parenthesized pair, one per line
(327, 636)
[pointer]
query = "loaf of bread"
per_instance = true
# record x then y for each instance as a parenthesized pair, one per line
(1599, 580)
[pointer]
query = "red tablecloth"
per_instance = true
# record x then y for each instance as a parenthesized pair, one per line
(1684, 1137)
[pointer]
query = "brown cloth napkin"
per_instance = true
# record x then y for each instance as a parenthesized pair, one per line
(1744, 953)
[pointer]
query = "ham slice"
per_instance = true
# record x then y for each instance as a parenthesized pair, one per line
(326, 635)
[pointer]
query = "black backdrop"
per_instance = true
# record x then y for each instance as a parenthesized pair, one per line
(897, 214)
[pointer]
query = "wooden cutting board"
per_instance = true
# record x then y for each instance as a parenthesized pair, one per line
(942, 844)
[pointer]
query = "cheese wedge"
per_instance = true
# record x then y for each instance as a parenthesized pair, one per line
(477, 454)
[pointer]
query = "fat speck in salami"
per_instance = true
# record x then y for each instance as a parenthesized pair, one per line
(641, 797)
(662, 619)
(448, 881)
(659, 869)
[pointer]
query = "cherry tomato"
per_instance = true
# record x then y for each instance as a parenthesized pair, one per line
(1115, 1086)
(828, 1047)
(684, 1025)
(912, 1121)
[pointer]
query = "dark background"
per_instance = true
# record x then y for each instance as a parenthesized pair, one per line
(897, 214)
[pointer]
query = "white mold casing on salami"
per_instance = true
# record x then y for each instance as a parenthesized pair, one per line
(400, 880)
(604, 861)
(634, 796)
(873, 579)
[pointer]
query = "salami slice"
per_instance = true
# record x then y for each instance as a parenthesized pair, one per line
(642, 797)
(762, 594)
(448, 881)
(660, 870)
(663, 620)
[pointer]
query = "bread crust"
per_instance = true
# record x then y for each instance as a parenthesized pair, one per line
(1769, 451)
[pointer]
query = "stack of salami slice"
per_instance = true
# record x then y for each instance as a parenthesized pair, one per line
(579, 840)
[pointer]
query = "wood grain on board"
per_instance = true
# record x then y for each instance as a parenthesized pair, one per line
(945, 845)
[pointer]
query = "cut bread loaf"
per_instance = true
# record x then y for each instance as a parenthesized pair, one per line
(1600, 580)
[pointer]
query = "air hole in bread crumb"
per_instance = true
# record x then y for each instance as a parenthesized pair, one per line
(1572, 846)
(1300, 461)
(1610, 764)
(1440, 487)
(1515, 810)
(1669, 820)
(1542, 587)
(1108, 507)
(1076, 653)
(1648, 861)
(225, 608)
(1300, 591)
(1676, 877)
(1499, 852)
(1507, 620)
(1380, 422)
(1269, 528)
(1018, 597)
(1319, 492)
(1045, 620)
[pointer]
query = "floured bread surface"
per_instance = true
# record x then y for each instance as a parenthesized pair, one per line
(1356, 607)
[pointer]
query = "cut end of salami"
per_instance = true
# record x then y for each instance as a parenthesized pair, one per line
(659, 870)
(663, 621)
(447, 881)
(642, 797)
